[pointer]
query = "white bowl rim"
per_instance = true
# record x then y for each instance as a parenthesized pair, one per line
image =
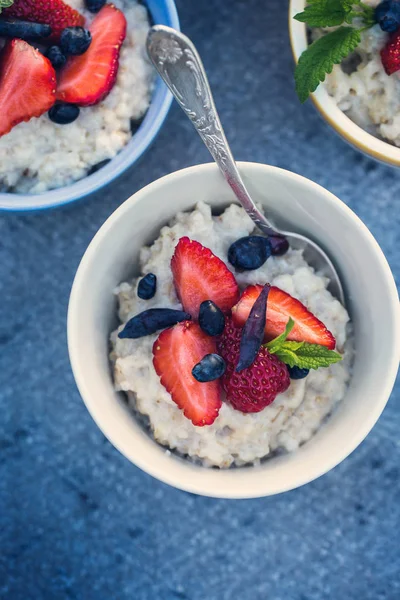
(355, 135)
(200, 486)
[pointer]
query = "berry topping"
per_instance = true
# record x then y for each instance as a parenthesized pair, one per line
(281, 307)
(55, 13)
(387, 14)
(24, 30)
(88, 78)
(152, 320)
(249, 252)
(200, 275)
(253, 331)
(297, 373)
(98, 166)
(75, 40)
(256, 387)
(279, 245)
(63, 114)
(210, 368)
(176, 351)
(27, 84)
(147, 286)
(94, 5)
(211, 318)
(56, 57)
(390, 54)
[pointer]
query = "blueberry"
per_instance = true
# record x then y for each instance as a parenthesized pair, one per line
(211, 318)
(297, 373)
(387, 14)
(63, 113)
(150, 321)
(279, 245)
(253, 331)
(211, 367)
(95, 5)
(24, 30)
(98, 166)
(56, 57)
(249, 252)
(147, 286)
(75, 40)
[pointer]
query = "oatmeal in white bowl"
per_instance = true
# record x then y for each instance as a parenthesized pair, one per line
(341, 403)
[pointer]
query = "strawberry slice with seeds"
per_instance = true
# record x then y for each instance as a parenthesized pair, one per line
(281, 306)
(176, 351)
(27, 84)
(390, 54)
(88, 78)
(200, 275)
(55, 13)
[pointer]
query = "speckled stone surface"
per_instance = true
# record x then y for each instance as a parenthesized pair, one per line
(77, 520)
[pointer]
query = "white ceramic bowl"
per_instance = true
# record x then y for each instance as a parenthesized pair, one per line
(296, 203)
(325, 104)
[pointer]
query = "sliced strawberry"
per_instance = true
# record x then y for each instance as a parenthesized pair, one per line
(27, 84)
(55, 13)
(176, 351)
(280, 307)
(88, 78)
(390, 54)
(199, 275)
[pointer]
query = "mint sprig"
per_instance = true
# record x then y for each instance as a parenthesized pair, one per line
(320, 57)
(5, 4)
(301, 354)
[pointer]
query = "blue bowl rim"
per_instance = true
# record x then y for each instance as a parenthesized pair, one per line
(128, 156)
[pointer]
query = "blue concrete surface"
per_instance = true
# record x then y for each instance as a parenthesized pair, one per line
(77, 520)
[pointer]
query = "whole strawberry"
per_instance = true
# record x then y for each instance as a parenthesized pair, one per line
(390, 54)
(256, 387)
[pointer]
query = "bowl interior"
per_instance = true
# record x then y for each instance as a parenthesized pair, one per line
(345, 127)
(296, 204)
(162, 12)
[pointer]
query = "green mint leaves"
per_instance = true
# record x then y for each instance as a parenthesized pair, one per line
(301, 354)
(320, 57)
(5, 4)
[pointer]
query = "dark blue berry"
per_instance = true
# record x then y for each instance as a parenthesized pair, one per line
(98, 166)
(75, 40)
(152, 320)
(253, 331)
(24, 30)
(279, 245)
(56, 57)
(249, 252)
(297, 373)
(211, 318)
(387, 14)
(211, 367)
(147, 286)
(95, 5)
(63, 113)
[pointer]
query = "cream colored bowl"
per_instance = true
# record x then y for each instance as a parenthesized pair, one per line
(345, 127)
(297, 204)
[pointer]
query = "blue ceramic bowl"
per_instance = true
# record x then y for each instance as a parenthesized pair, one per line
(163, 12)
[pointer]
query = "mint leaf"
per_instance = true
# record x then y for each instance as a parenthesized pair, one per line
(276, 343)
(325, 13)
(5, 4)
(306, 356)
(319, 58)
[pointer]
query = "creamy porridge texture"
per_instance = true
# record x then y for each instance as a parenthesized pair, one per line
(41, 155)
(234, 438)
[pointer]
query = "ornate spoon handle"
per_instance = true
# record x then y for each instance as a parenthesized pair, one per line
(177, 61)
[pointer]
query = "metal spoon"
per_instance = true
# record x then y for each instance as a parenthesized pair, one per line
(178, 62)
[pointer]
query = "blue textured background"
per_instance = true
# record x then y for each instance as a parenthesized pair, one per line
(77, 520)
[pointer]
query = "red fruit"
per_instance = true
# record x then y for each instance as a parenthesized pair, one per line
(55, 13)
(200, 275)
(390, 54)
(176, 351)
(88, 78)
(280, 307)
(256, 387)
(27, 84)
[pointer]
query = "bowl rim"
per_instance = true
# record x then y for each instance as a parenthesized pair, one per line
(127, 157)
(199, 485)
(355, 135)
